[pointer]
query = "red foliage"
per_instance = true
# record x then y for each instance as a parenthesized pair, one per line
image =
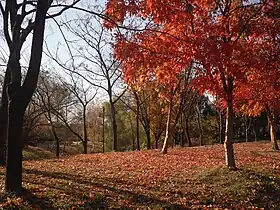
(261, 85)
(219, 38)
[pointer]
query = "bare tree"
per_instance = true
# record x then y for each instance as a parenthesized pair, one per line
(21, 18)
(59, 98)
(138, 101)
(187, 112)
(53, 98)
(247, 120)
(92, 59)
(84, 95)
(143, 97)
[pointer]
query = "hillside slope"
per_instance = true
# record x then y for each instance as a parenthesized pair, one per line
(184, 178)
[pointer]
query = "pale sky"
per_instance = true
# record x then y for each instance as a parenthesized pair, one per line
(53, 39)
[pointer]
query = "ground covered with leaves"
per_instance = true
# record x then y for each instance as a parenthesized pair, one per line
(185, 178)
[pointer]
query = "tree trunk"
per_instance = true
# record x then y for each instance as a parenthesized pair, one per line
(16, 109)
(114, 125)
(137, 127)
(273, 136)
(246, 132)
(54, 135)
(272, 128)
(19, 96)
(85, 147)
(137, 120)
(132, 133)
(14, 147)
(103, 129)
(183, 133)
(156, 140)
(199, 126)
(133, 139)
(256, 130)
(228, 144)
(186, 136)
(247, 122)
(4, 118)
(56, 139)
(148, 134)
(221, 128)
(168, 126)
(57, 146)
(3, 133)
(145, 121)
(85, 140)
(182, 139)
(187, 132)
(255, 134)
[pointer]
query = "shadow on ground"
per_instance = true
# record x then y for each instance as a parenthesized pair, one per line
(60, 190)
(81, 187)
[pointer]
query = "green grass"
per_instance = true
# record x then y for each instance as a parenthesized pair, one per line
(242, 187)
(36, 153)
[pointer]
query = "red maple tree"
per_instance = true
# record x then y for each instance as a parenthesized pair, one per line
(212, 34)
(260, 91)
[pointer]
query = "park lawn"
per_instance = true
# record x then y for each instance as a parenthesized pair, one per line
(185, 178)
(36, 153)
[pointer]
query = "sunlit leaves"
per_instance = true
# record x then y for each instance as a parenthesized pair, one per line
(236, 40)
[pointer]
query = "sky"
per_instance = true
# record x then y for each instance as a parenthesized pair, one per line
(53, 35)
(56, 44)
(54, 39)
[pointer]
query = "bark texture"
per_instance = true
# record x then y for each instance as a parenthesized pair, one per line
(228, 144)
(20, 95)
(167, 130)
(272, 127)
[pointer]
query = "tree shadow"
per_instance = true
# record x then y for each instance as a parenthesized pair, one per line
(25, 200)
(268, 193)
(108, 185)
(36, 202)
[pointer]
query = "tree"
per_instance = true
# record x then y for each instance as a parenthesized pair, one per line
(17, 25)
(68, 103)
(54, 99)
(144, 117)
(247, 123)
(139, 101)
(32, 122)
(84, 95)
(199, 123)
(177, 96)
(260, 89)
(96, 124)
(156, 114)
(124, 124)
(137, 119)
(210, 33)
(187, 113)
(92, 60)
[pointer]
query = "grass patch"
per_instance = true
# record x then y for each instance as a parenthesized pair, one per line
(244, 187)
(36, 153)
